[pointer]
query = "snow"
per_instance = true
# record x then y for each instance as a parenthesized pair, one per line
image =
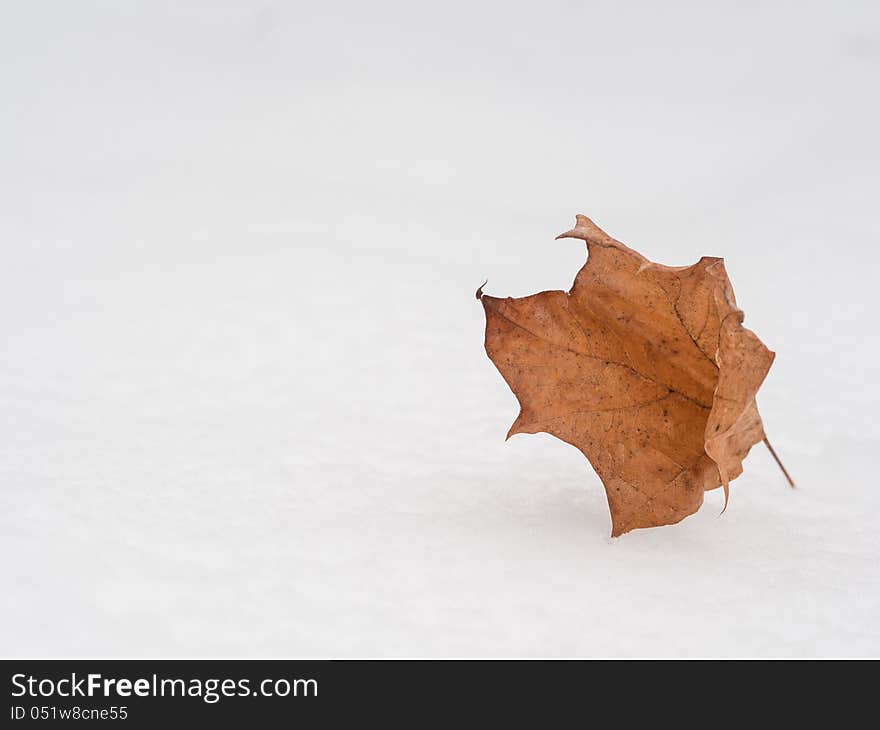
(245, 406)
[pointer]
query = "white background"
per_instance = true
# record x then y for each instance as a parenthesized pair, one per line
(244, 405)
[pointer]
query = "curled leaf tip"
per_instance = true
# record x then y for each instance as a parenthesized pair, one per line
(585, 229)
(480, 290)
(726, 486)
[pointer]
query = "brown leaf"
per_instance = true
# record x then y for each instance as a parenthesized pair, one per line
(645, 368)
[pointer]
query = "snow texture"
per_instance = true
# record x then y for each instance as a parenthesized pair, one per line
(246, 409)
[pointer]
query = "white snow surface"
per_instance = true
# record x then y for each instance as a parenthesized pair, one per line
(246, 409)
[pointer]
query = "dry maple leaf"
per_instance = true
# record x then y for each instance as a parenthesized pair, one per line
(645, 368)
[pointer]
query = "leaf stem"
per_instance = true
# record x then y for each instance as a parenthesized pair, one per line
(779, 462)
